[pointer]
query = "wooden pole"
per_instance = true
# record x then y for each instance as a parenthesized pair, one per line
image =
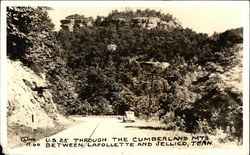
(32, 118)
(150, 95)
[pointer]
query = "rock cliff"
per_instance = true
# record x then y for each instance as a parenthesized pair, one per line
(30, 103)
(69, 24)
(142, 22)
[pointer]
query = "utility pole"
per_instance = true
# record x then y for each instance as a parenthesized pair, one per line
(150, 95)
(153, 67)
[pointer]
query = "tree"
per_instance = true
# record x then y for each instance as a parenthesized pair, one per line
(29, 36)
(31, 39)
(221, 95)
(192, 86)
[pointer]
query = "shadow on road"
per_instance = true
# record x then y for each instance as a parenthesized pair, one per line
(147, 127)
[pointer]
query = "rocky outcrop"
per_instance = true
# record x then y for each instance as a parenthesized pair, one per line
(69, 24)
(157, 64)
(112, 47)
(153, 22)
(29, 100)
(115, 21)
(168, 25)
(145, 22)
(142, 22)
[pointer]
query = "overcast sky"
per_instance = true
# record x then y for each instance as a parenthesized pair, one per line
(205, 19)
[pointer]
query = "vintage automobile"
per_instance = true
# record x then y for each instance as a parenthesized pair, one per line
(129, 116)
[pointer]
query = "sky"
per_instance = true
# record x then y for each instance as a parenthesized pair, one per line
(202, 19)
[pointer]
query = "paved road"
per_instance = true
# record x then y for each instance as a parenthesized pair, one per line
(102, 135)
(108, 134)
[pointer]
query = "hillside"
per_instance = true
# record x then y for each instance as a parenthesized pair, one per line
(29, 107)
(113, 65)
(126, 61)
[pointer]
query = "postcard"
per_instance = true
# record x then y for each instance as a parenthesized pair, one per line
(124, 77)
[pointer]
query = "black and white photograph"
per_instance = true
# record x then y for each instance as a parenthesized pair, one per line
(128, 77)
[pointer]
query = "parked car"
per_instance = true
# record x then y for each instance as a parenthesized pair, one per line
(129, 116)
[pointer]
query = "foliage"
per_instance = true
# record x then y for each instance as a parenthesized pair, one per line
(28, 30)
(128, 14)
(179, 95)
(194, 94)
(30, 39)
(221, 101)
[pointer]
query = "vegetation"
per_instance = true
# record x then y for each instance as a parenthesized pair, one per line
(86, 77)
(17, 132)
